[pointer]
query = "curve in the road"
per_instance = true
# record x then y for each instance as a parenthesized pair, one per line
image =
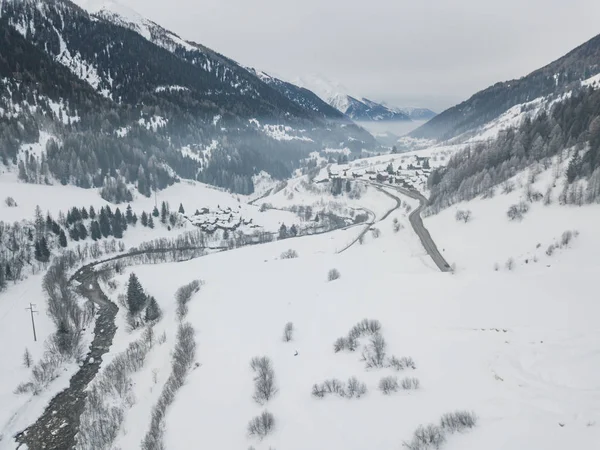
(417, 223)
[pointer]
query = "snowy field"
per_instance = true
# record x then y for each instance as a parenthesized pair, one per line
(517, 347)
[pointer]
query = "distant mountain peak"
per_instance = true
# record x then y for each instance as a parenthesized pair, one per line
(358, 107)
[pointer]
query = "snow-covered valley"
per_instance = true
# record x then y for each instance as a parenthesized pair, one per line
(518, 346)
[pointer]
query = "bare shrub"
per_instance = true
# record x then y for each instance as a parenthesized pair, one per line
(550, 250)
(365, 327)
(401, 363)
(375, 352)
(264, 379)
(262, 425)
(458, 421)
(513, 213)
(508, 187)
(387, 385)
(345, 343)
(183, 357)
(510, 264)
(109, 397)
(426, 438)
(463, 215)
(10, 202)
(289, 254)
(318, 390)
(376, 233)
(355, 388)
(184, 295)
(27, 360)
(410, 383)
(566, 238)
(288, 332)
(397, 226)
(333, 274)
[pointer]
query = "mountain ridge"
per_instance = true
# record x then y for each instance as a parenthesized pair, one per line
(552, 79)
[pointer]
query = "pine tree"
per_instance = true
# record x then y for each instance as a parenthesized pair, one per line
(117, 226)
(155, 212)
(282, 231)
(92, 213)
(37, 252)
(134, 219)
(83, 233)
(95, 231)
(55, 228)
(84, 213)
(293, 230)
(104, 223)
(44, 250)
(136, 299)
(144, 219)
(129, 214)
(164, 213)
(152, 310)
(74, 233)
(2, 278)
(62, 239)
(181, 210)
(150, 222)
(75, 215)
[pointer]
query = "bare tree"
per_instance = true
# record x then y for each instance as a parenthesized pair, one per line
(27, 361)
(264, 380)
(375, 352)
(288, 332)
(262, 425)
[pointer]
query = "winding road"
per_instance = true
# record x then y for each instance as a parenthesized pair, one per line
(417, 223)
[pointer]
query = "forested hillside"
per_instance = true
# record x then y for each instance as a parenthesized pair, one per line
(555, 78)
(573, 124)
(117, 105)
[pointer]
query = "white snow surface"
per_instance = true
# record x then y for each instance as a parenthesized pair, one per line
(519, 348)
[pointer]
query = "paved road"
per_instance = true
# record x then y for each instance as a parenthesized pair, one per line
(373, 221)
(417, 224)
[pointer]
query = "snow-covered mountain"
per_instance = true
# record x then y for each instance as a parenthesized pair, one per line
(103, 73)
(554, 79)
(357, 107)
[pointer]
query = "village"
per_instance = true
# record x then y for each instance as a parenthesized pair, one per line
(410, 172)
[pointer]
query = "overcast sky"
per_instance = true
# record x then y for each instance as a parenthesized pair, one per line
(431, 53)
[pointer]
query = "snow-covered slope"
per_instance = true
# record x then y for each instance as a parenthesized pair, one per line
(517, 347)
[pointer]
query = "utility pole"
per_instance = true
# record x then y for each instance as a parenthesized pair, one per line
(31, 309)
